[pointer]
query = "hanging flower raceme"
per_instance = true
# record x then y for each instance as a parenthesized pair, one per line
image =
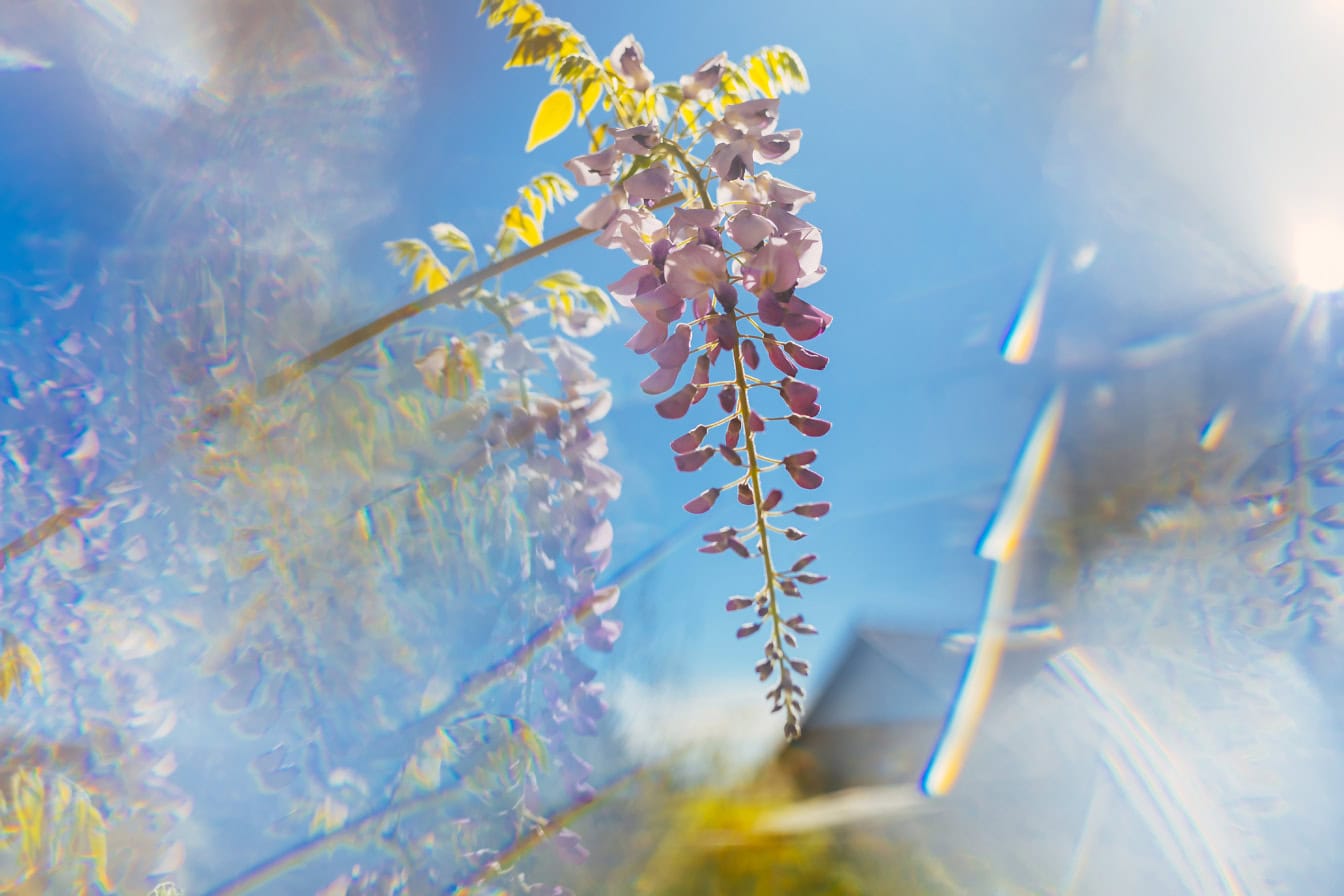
(692, 271)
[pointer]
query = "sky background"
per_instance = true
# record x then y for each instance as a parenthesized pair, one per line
(951, 144)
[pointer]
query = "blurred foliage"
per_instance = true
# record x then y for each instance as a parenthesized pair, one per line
(664, 837)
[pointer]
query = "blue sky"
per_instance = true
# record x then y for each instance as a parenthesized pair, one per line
(950, 142)
(926, 134)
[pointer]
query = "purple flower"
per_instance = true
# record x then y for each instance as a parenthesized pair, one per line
(733, 160)
(800, 397)
(702, 502)
(773, 268)
(749, 229)
(700, 84)
(772, 349)
(660, 380)
(723, 540)
(674, 352)
(723, 329)
(813, 511)
(695, 224)
(570, 847)
(651, 184)
(601, 634)
(728, 399)
(784, 194)
(699, 377)
(677, 404)
(738, 603)
(733, 433)
(804, 321)
(753, 117)
(806, 477)
(694, 460)
(648, 337)
(750, 357)
(598, 215)
(595, 168)
(627, 60)
(635, 281)
(809, 426)
(744, 495)
(746, 631)
(730, 455)
(636, 141)
(633, 230)
(690, 441)
(772, 499)
(662, 304)
(695, 269)
(779, 147)
(802, 562)
(809, 359)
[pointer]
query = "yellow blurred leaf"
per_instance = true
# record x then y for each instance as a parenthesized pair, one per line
(759, 75)
(522, 225)
(589, 97)
(554, 114)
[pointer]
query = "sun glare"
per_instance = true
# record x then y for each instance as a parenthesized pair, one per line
(1318, 256)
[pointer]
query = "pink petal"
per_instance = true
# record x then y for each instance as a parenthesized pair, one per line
(778, 358)
(699, 377)
(772, 499)
(690, 441)
(801, 459)
(730, 455)
(806, 477)
(677, 404)
(728, 399)
(702, 502)
(750, 356)
(660, 380)
(800, 397)
(809, 359)
(677, 348)
(810, 426)
(693, 460)
(744, 495)
(649, 337)
(813, 511)
(734, 432)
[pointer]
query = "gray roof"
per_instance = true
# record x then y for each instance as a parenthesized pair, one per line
(890, 676)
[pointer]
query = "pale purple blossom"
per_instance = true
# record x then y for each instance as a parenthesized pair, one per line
(595, 168)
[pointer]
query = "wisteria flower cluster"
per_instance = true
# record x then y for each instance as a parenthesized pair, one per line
(716, 285)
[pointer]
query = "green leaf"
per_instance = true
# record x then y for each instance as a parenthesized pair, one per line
(554, 114)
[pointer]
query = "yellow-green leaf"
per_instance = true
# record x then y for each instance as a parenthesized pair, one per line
(759, 76)
(522, 225)
(450, 237)
(588, 99)
(554, 114)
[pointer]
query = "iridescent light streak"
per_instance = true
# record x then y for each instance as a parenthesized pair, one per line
(1181, 819)
(1000, 545)
(1020, 343)
(977, 682)
(1024, 487)
(1214, 431)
